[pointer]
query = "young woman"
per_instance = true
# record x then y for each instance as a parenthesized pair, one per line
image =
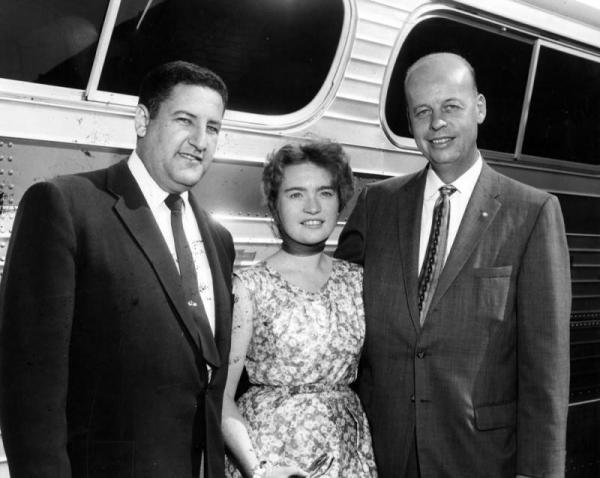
(298, 327)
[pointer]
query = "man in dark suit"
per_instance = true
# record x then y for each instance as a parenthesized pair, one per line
(108, 367)
(465, 370)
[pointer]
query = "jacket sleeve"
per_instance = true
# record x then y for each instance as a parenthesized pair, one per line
(543, 314)
(36, 312)
(352, 241)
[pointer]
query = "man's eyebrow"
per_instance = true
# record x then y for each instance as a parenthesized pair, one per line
(184, 112)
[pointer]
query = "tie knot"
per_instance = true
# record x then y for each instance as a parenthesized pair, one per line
(174, 202)
(447, 190)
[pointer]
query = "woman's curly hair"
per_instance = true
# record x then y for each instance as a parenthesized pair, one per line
(325, 154)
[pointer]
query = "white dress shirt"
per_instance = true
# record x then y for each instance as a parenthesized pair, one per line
(155, 197)
(458, 204)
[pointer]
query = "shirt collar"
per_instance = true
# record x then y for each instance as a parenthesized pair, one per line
(464, 184)
(152, 192)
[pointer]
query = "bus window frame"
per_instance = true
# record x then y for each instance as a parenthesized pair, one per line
(84, 105)
(308, 113)
(554, 162)
(501, 27)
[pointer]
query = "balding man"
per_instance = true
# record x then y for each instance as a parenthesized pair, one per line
(467, 299)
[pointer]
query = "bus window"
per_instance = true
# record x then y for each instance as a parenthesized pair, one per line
(50, 42)
(274, 55)
(564, 114)
(500, 61)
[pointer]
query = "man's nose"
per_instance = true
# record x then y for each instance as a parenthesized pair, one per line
(437, 121)
(198, 138)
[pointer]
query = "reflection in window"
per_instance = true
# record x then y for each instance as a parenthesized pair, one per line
(274, 55)
(50, 42)
(501, 65)
(564, 115)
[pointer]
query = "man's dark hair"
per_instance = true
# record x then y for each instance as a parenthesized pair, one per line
(159, 82)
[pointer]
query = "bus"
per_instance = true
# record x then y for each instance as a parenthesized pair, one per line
(300, 70)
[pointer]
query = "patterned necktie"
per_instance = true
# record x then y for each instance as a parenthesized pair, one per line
(436, 250)
(189, 281)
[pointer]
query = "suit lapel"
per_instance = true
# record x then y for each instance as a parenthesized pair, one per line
(220, 289)
(481, 210)
(133, 210)
(409, 204)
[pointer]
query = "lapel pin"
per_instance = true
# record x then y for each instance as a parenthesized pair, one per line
(484, 214)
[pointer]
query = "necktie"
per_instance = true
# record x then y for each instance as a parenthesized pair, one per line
(436, 250)
(189, 281)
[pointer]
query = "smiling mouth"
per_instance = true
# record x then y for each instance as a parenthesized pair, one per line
(313, 223)
(441, 141)
(191, 157)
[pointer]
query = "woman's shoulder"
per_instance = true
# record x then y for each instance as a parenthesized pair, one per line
(343, 267)
(252, 274)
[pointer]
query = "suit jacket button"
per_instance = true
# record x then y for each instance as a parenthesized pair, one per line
(412, 398)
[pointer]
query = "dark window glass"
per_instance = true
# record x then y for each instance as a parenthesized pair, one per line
(274, 55)
(564, 115)
(581, 214)
(50, 42)
(501, 65)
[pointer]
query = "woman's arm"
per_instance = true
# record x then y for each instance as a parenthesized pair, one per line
(233, 426)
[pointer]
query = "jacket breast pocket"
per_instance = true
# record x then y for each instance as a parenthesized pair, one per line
(492, 286)
(491, 417)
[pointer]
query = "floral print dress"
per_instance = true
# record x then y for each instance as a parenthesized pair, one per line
(302, 356)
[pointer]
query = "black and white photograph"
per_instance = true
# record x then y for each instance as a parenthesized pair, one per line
(299, 239)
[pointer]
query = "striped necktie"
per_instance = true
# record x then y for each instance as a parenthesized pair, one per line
(436, 250)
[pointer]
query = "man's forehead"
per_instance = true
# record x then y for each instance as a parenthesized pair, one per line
(439, 70)
(438, 81)
(182, 94)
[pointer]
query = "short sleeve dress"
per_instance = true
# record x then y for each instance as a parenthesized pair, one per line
(302, 357)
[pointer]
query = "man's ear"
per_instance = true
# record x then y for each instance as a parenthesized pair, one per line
(408, 121)
(142, 118)
(481, 108)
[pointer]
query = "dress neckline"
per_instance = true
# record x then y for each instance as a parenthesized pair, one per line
(321, 289)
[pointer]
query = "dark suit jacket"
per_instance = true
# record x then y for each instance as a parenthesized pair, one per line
(101, 371)
(485, 381)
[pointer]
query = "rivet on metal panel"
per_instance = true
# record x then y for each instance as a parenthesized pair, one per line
(1, 158)
(10, 158)
(10, 144)
(1, 171)
(10, 172)
(11, 186)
